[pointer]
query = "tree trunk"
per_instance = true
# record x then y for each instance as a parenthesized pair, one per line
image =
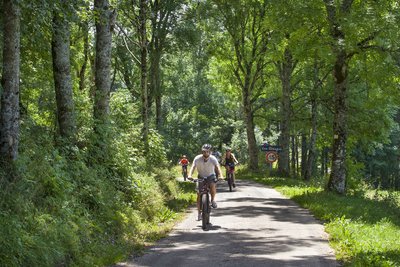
(293, 156)
(160, 22)
(313, 139)
(285, 73)
(9, 117)
(251, 139)
(304, 153)
(82, 71)
(62, 76)
(102, 63)
(311, 151)
(337, 179)
(143, 69)
(155, 82)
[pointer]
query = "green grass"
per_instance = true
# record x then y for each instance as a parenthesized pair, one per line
(364, 225)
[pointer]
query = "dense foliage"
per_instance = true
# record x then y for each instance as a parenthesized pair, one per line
(179, 74)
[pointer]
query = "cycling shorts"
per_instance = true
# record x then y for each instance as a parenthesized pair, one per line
(211, 179)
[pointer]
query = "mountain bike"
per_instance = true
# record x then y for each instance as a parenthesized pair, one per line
(184, 172)
(230, 170)
(205, 202)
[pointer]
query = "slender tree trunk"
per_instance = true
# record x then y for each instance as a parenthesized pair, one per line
(312, 151)
(155, 82)
(9, 117)
(143, 69)
(249, 118)
(103, 62)
(62, 76)
(337, 179)
(285, 71)
(304, 153)
(293, 156)
(82, 71)
(159, 23)
(313, 139)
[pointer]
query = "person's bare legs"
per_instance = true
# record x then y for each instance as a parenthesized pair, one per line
(198, 207)
(213, 192)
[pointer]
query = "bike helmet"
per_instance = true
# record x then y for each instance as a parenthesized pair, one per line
(206, 147)
(228, 149)
(184, 156)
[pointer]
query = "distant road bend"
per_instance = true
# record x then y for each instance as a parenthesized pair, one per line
(252, 226)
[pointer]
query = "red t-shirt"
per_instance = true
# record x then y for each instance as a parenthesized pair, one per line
(184, 162)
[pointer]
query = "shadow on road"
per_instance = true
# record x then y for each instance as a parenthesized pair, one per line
(233, 249)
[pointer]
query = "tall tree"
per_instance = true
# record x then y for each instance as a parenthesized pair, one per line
(143, 69)
(337, 180)
(245, 23)
(62, 72)
(9, 116)
(162, 18)
(285, 69)
(104, 17)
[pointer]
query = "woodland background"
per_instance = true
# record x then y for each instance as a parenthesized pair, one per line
(100, 98)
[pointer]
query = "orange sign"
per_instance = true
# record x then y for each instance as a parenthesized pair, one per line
(271, 156)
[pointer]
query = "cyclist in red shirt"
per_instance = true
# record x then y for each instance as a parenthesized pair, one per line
(184, 162)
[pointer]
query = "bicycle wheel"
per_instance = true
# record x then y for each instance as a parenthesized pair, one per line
(205, 215)
(230, 181)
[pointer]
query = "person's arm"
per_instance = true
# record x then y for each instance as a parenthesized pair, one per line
(191, 170)
(234, 159)
(219, 171)
(223, 160)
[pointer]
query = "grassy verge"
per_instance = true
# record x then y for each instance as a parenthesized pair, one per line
(364, 225)
(172, 213)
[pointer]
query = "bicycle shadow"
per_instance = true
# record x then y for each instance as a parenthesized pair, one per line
(211, 227)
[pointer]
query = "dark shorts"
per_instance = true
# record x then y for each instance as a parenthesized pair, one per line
(211, 179)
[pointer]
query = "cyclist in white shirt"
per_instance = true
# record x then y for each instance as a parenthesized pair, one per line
(205, 163)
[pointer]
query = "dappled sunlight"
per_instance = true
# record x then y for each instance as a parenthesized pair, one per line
(237, 248)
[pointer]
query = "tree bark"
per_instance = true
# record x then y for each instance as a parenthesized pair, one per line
(304, 153)
(82, 71)
(143, 69)
(337, 179)
(10, 113)
(313, 138)
(293, 156)
(251, 138)
(311, 150)
(102, 63)
(160, 21)
(285, 68)
(62, 76)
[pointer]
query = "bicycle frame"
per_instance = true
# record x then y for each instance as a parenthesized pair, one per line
(204, 195)
(230, 170)
(184, 172)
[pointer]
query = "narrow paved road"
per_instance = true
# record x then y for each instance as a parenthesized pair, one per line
(252, 226)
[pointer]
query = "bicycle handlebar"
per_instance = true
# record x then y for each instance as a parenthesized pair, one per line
(203, 179)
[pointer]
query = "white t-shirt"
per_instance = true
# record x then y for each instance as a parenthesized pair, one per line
(205, 168)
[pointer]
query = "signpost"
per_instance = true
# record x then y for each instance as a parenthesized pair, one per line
(271, 156)
(272, 153)
(268, 147)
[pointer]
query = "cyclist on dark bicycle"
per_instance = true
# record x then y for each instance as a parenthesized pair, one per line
(184, 162)
(229, 161)
(205, 163)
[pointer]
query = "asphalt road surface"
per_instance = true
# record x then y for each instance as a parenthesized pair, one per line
(252, 226)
